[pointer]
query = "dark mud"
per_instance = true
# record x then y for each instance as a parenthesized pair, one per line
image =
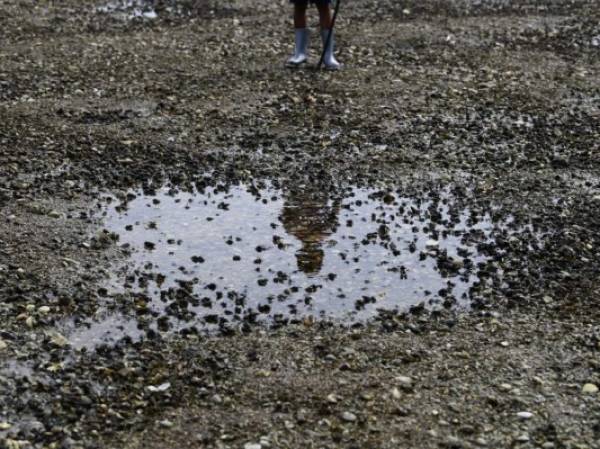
(476, 124)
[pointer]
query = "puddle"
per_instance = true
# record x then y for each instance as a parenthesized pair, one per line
(107, 328)
(226, 256)
(16, 368)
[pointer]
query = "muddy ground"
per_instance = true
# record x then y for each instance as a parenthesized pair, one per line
(495, 101)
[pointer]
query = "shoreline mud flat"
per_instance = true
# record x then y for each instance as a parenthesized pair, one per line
(477, 121)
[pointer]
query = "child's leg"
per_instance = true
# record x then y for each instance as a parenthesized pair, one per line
(326, 21)
(300, 13)
(324, 14)
(301, 32)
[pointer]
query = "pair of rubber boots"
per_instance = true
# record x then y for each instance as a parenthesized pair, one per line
(301, 49)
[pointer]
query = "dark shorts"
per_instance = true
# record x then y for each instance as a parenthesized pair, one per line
(318, 2)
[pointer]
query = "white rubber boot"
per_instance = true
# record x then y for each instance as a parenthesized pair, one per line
(329, 60)
(301, 49)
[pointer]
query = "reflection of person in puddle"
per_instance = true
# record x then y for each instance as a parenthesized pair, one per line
(310, 217)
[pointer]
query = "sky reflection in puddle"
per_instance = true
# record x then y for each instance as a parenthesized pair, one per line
(226, 256)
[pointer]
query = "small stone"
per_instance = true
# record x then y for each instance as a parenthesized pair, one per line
(5, 426)
(453, 442)
(589, 389)
(348, 417)
(332, 398)
(3, 345)
(54, 214)
(396, 393)
(252, 446)
(217, 399)
(44, 310)
(523, 438)
(504, 344)
(525, 415)
(58, 339)
(166, 423)
(9, 443)
(160, 388)
(404, 381)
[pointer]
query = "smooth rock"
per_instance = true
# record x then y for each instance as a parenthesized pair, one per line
(44, 310)
(166, 423)
(58, 339)
(525, 415)
(348, 417)
(252, 446)
(159, 388)
(404, 381)
(589, 389)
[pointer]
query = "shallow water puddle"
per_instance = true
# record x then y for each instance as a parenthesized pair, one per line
(223, 257)
(244, 255)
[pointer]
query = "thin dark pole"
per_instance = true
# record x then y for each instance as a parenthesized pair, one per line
(326, 46)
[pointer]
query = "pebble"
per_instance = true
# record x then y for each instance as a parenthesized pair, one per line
(160, 388)
(54, 214)
(453, 442)
(3, 345)
(348, 416)
(525, 415)
(5, 426)
(252, 446)
(404, 381)
(524, 438)
(589, 389)
(166, 423)
(59, 340)
(44, 310)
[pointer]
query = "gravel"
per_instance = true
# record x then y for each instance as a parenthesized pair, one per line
(496, 103)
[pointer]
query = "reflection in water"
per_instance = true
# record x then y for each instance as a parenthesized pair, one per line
(311, 217)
